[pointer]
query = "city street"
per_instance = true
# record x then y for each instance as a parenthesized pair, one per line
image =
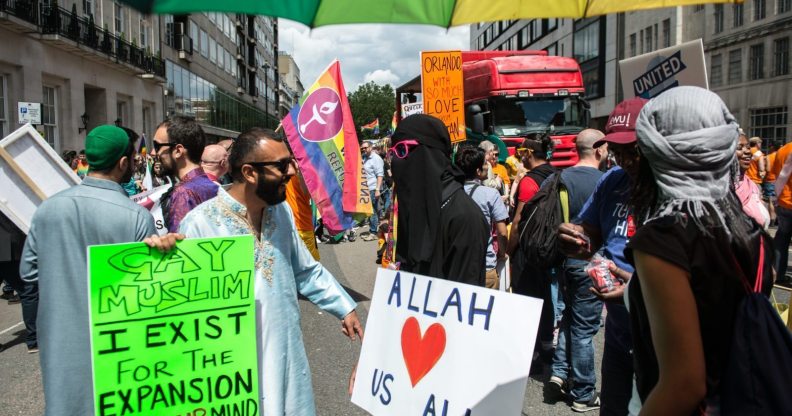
(331, 355)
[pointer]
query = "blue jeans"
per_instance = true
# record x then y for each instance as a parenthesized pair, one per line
(557, 293)
(28, 294)
(579, 325)
(781, 241)
(374, 218)
(385, 196)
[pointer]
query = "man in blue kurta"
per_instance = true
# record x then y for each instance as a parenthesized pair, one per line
(261, 166)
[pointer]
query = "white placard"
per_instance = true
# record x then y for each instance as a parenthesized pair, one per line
(650, 74)
(37, 161)
(152, 201)
(412, 108)
(438, 347)
(29, 113)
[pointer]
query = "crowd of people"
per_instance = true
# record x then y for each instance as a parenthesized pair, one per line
(669, 206)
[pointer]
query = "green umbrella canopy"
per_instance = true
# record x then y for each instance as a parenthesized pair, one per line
(444, 13)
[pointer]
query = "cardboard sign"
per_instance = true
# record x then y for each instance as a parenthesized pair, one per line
(29, 113)
(442, 88)
(152, 201)
(30, 172)
(412, 108)
(174, 333)
(435, 347)
(650, 74)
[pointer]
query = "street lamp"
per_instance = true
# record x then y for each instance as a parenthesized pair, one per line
(266, 67)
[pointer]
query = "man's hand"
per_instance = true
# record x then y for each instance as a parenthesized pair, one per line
(350, 326)
(617, 294)
(377, 194)
(572, 240)
(165, 243)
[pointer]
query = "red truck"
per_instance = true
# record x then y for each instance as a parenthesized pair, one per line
(511, 94)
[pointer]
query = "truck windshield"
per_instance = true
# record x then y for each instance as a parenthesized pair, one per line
(513, 116)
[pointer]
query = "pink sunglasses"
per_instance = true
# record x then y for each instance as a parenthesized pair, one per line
(402, 149)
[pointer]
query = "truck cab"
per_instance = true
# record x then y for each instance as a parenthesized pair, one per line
(511, 94)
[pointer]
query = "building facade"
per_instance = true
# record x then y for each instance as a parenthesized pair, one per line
(87, 63)
(291, 87)
(222, 69)
(747, 50)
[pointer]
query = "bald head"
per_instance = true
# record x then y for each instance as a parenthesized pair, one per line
(214, 160)
(584, 143)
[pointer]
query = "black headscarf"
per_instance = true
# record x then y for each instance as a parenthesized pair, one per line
(423, 181)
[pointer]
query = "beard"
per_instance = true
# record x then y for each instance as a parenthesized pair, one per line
(270, 191)
(129, 173)
(166, 166)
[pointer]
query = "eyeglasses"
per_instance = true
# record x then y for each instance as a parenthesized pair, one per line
(158, 145)
(402, 149)
(282, 165)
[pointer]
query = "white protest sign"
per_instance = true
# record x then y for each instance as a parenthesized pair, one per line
(29, 113)
(436, 347)
(412, 108)
(152, 201)
(30, 172)
(650, 74)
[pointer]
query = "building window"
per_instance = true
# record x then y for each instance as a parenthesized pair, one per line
(698, 7)
(552, 50)
(169, 30)
(143, 34)
(735, 66)
(756, 62)
(49, 118)
(784, 6)
(769, 124)
(759, 9)
(588, 41)
(118, 18)
(3, 107)
(194, 33)
(552, 24)
(641, 39)
(716, 74)
(718, 18)
(212, 50)
(87, 8)
(666, 33)
(737, 15)
(781, 57)
(633, 45)
(204, 44)
(648, 33)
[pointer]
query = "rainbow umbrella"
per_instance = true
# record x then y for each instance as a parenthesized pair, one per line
(445, 13)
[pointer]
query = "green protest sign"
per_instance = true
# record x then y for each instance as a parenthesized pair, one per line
(174, 333)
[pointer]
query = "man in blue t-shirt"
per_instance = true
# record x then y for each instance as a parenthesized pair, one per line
(605, 222)
(471, 161)
(574, 353)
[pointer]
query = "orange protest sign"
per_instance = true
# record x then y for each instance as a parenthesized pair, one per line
(442, 90)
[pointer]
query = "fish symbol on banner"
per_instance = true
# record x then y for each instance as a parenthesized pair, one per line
(326, 108)
(421, 353)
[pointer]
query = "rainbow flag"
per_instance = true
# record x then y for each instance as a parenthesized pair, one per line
(142, 145)
(393, 123)
(322, 135)
(374, 125)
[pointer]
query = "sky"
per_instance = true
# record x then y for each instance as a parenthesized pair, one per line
(385, 54)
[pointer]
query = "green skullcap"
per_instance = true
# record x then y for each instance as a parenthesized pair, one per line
(105, 146)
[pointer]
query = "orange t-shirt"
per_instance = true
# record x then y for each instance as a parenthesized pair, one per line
(500, 170)
(753, 170)
(785, 196)
(770, 176)
(300, 202)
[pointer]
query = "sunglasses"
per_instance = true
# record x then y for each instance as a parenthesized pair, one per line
(402, 149)
(158, 145)
(282, 165)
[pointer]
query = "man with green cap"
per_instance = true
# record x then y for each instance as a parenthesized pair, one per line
(97, 211)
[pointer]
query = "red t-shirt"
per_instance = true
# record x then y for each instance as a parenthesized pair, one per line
(528, 188)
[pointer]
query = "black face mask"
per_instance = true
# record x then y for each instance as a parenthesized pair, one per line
(269, 190)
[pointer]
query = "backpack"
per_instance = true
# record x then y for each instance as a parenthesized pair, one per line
(755, 381)
(539, 223)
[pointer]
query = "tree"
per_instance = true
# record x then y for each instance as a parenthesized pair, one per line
(369, 102)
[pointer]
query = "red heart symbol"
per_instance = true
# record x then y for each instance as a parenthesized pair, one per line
(421, 353)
